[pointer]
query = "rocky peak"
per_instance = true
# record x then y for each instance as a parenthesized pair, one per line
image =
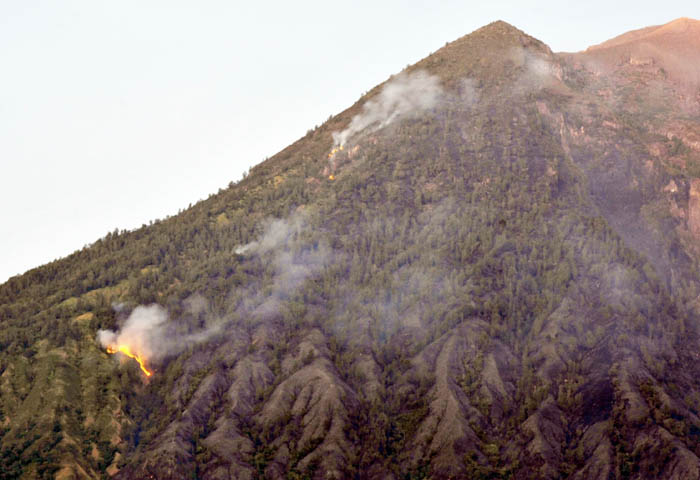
(493, 52)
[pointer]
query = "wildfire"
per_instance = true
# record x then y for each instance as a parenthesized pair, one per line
(127, 351)
(331, 177)
(335, 150)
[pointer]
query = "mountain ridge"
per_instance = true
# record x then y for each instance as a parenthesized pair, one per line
(678, 26)
(671, 48)
(499, 280)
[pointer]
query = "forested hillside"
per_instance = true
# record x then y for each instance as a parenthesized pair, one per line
(496, 276)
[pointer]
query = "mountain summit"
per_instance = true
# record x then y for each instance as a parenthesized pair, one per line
(488, 267)
(484, 54)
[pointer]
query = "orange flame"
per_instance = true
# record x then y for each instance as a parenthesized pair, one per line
(127, 351)
(331, 177)
(335, 150)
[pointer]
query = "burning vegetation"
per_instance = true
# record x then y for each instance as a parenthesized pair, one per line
(112, 349)
(335, 150)
(142, 336)
(467, 304)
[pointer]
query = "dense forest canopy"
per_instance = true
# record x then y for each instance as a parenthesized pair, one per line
(496, 276)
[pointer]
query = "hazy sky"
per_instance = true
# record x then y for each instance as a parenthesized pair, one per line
(116, 113)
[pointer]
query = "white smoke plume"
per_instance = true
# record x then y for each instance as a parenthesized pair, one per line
(144, 332)
(538, 71)
(292, 259)
(148, 333)
(277, 232)
(401, 96)
(292, 269)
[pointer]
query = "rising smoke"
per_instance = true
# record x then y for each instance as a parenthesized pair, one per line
(411, 93)
(403, 95)
(149, 334)
(144, 332)
(292, 259)
(277, 233)
(537, 71)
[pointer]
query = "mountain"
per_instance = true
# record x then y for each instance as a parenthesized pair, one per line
(488, 267)
(671, 47)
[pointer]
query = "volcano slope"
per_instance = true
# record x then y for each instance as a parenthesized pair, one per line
(499, 280)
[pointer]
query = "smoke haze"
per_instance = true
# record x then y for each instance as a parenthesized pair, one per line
(291, 259)
(402, 95)
(148, 333)
(143, 331)
(276, 233)
(537, 71)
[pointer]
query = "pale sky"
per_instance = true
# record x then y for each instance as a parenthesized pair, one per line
(116, 113)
